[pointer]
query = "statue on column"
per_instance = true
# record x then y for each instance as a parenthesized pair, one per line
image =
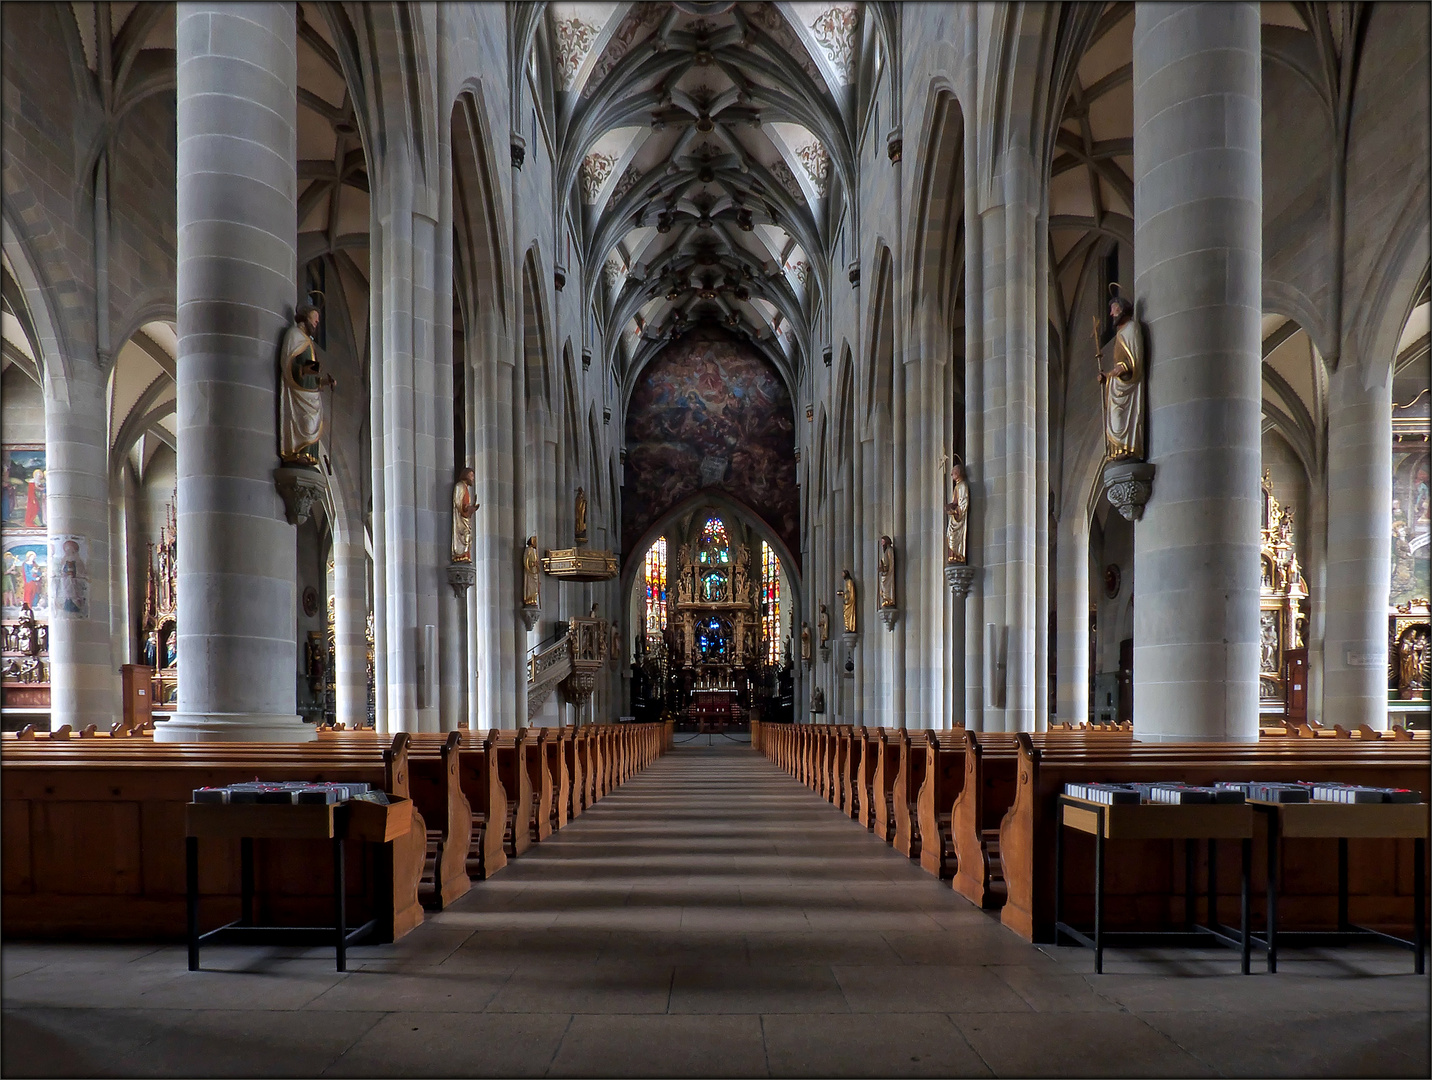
(886, 568)
(957, 517)
(463, 508)
(847, 602)
(581, 516)
(805, 642)
(1123, 385)
(531, 575)
(300, 389)
(822, 622)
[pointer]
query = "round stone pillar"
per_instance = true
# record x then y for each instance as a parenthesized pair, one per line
(1359, 567)
(237, 228)
(1197, 280)
(84, 686)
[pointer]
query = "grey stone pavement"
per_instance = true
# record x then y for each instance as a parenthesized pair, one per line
(712, 917)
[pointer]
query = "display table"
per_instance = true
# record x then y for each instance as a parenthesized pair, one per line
(353, 820)
(1345, 821)
(1190, 823)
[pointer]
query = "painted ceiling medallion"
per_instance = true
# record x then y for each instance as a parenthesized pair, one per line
(834, 28)
(574, 40)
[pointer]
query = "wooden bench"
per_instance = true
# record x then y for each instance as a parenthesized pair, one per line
(1148, 893)
(93, 836)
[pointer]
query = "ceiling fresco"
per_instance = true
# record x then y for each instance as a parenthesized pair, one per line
(709, 413)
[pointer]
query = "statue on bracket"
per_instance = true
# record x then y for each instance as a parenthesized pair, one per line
(847, 602)
(531, 580)
(805, 642)
(581, 517)
(463, 508)
(886, 568)
(685, 582)
(300, 392)
(957, 516)
(822, 622)
(1123, 385)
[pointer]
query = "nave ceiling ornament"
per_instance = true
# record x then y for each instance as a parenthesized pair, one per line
(705, 151)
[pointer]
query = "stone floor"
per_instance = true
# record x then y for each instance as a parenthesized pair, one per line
(712, 917)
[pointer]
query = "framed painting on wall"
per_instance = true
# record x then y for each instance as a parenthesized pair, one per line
(22, 487)
(25, 562)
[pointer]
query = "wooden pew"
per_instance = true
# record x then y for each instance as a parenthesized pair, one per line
(93, 841)
(1143, 890)
(904, 791)
(944, 776)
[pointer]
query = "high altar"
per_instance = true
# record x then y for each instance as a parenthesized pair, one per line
(717, 621)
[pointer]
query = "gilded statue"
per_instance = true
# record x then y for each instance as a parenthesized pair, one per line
(581, 516)
(886, 572)
(822, 622)
(1412, 663)
(847, 602)
(805, 642)
(300, 389)
(531, 579)
(1123, 385)
(957, 517)
(463, 508)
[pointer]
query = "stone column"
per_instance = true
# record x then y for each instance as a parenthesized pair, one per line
(237, 228)
(83, 677)
(350, 616)
(1072, 645)
(1198, 271)
(1359, 532)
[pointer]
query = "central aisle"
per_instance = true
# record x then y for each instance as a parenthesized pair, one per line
(710, 917)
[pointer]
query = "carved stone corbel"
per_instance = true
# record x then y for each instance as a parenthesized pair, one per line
(960, 579)
(300, 489)
(1128, 486)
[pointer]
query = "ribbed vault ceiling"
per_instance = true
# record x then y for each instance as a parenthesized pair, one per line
(705, 150)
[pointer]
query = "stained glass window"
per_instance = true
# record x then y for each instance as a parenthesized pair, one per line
(771, 602)
(715, 548)
(655, 568)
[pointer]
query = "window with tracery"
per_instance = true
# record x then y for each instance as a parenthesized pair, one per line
(715, 548)
(771, 602)
(655, 570)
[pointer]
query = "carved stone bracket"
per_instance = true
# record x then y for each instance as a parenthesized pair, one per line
(889, 616)
(850, 639)
(519, 150)
(530, 615)
(300, 489)
(825, 654)
(1127, 486)
(461, 576)
(960, 579)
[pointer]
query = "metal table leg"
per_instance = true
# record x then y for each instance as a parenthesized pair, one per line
(1419, 903)
(340, 899)
(1246, 901)
(1099, 897)
(1058, 873)
(1190, 893)
(191, 898)
(246, 881)
(1273, 842)
(1213, 885)
(1343, 925)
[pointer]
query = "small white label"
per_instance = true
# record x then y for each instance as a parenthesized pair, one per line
(1363, 659)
